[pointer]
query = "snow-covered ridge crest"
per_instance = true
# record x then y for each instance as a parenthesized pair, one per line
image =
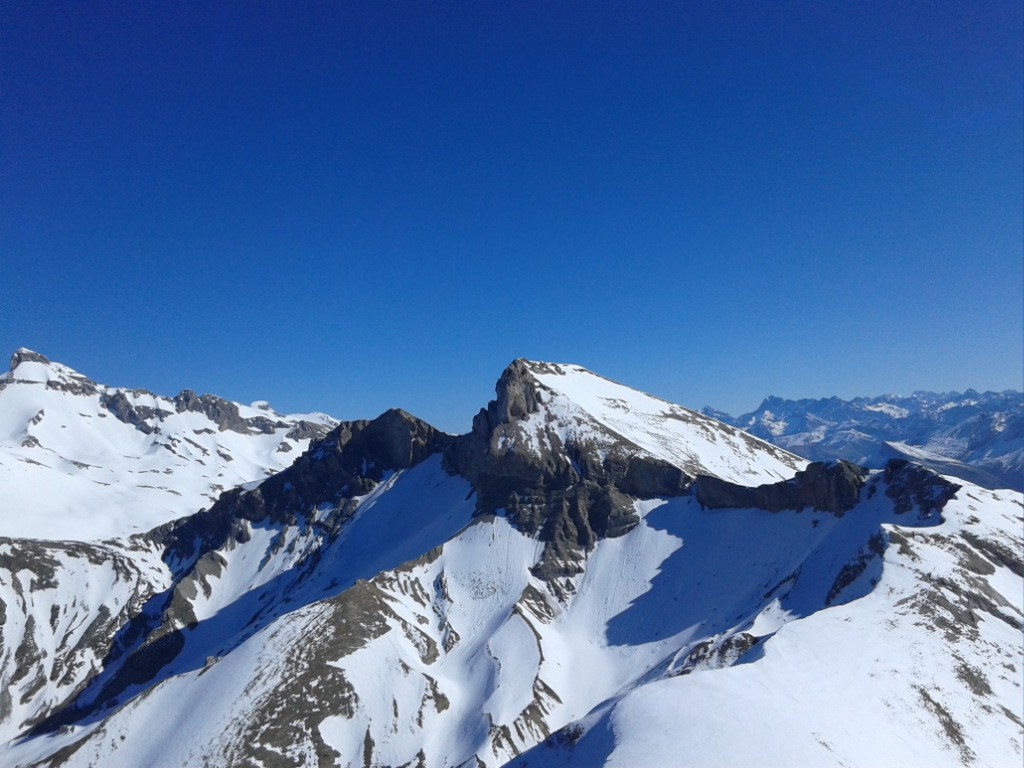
(580, 406)
(564, 454)
(28, 367)
(142, 458)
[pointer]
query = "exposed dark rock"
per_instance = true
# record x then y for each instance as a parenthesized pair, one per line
(496, 458)
(833, 487)
(712, 654)
(911, 485)
(70, 382)
(27, 356)
(66, 662)
(143, 664)
(854, 569)
(307, 430)
(226, 416)
(998, 552)
(76, 386)
(221, 412)
(953, 730)
(349, 462)
(569, 495)
(313, 687)
(137, 415)
(263, 425)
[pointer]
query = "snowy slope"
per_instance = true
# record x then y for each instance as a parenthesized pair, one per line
(584, 407)
(370, 606)
(915, 672)
(82, 461)
(62, 604)
(730, 616)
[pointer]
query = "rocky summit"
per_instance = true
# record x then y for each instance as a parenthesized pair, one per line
(590, 576)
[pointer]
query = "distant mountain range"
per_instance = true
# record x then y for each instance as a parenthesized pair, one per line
(590, 577)
(978, 436)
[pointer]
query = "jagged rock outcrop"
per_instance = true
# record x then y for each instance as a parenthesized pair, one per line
(62, 380)
(348, 462)
(223, 413)
(226, 416)
(832, 487)
(569, 494)
(124, 410)
(912, 485)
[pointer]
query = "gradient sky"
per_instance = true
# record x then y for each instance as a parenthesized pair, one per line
(348, 207)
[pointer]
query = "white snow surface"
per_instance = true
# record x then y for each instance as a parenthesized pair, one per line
(607, 662)
(71, 470)
(881, 680)
(585, 407)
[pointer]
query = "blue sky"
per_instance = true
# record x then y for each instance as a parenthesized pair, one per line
(348, 207)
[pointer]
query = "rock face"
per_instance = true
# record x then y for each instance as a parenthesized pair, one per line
(31, 367)
(833, 487)
(226, 416)
(913, 486)
(138, 416)
(27, 356)
(567, 493)
(347, 463)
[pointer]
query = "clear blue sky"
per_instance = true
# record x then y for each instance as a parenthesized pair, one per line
(348, 207)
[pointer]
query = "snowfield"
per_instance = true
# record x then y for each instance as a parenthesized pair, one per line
(581, 400)
(105, 477)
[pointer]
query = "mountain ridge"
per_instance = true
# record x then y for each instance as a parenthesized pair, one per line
(162, 457)
(546, 589)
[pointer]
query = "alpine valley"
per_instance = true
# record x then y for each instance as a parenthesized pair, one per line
(591, 576)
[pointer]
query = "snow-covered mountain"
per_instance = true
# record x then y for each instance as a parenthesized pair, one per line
(977, 436)
(79, 460)
(591, 576)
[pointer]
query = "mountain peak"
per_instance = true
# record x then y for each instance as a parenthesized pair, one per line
(25, 355)
(31, 367)
(566, 453)
(545, 409)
